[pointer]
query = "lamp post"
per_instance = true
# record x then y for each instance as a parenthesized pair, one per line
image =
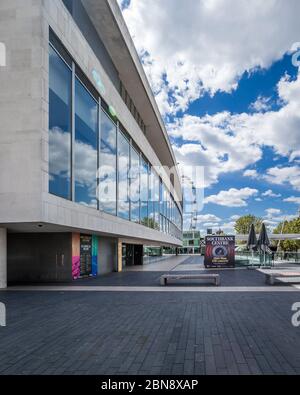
(282, 228)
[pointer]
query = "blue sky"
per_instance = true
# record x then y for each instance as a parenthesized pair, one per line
(230, 96)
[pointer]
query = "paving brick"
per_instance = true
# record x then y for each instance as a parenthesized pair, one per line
(150, 333)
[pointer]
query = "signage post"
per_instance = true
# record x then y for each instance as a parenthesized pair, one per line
(219, 251)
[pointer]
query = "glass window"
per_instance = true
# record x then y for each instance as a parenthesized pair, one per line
(108, 166)
(60, 115)
(151, 212)
(161, 197)
(156, 201)
(144, 192)
(135, 186)
(123, 181)
(86, 144)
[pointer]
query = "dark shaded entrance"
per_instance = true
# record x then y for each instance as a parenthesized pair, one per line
(133, 255)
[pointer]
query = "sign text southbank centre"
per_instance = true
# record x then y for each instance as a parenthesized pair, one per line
(219, 251)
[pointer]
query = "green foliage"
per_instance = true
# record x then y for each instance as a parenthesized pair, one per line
(289, 227)
(150, 223)
(243, 224)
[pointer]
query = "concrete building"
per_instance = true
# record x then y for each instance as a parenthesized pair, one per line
(192, 242)
(84, 154)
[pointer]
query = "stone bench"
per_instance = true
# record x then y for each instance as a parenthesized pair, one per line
(272, 277)
(215, 278)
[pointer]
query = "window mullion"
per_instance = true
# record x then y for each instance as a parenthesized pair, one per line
(73, 136)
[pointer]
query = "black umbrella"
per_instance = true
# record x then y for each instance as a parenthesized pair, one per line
(252, 240)
(263, 240)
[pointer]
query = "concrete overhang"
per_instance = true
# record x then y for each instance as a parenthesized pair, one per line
(107, 19)
(41, 227)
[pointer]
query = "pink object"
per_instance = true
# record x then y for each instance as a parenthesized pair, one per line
(75, 267)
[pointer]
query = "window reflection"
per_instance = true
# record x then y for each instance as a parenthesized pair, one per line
(108, 166)
(60, 94)
(144, 192)
(143, 197)
(123, 181)
(135, 186)
(86, 132)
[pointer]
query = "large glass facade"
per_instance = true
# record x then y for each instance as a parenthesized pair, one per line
(86, 147)
(108, 165)
(123, 176)
(60, 126)
(94, 162)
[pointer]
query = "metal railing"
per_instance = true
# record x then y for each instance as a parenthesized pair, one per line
(248, 258)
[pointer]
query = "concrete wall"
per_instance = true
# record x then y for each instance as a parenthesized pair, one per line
(21, 111)
(107, 255)
(39, 257)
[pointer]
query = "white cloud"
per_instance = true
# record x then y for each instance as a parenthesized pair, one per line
(235, 217)
(284, 176)
(209, 218)
(274, 222)
(275, 216)
(251, 174)
(272, 212)
(209, 142)
(189, 46)
(232, 198)
(270, 193)
(293, 199)
(228, 227)
(227, 142)
(262, 104)
(258, 200)
(211, 225)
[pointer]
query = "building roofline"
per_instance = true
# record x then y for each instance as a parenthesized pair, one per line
(111, 27)
(139, 67)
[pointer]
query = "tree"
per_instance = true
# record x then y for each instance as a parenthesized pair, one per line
(243, 224)
(150, 223)
(289, 227)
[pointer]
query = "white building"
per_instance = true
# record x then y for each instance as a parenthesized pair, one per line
(81, 145)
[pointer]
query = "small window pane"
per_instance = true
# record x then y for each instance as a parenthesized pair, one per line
(135, 186)
(123, 184)
(60, 114)
(144, 192)
(108, 166)
(86, 136)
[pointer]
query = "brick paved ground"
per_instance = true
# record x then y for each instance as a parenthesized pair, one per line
(150, 333)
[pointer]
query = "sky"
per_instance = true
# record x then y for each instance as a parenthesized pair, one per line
(225, 74)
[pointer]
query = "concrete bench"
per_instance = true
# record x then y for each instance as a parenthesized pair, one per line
(215, 278)
(272, 277)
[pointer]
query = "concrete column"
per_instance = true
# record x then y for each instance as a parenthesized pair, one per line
(119, 256)
(3, 258)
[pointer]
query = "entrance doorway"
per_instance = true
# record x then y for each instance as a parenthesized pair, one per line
(133, 255)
